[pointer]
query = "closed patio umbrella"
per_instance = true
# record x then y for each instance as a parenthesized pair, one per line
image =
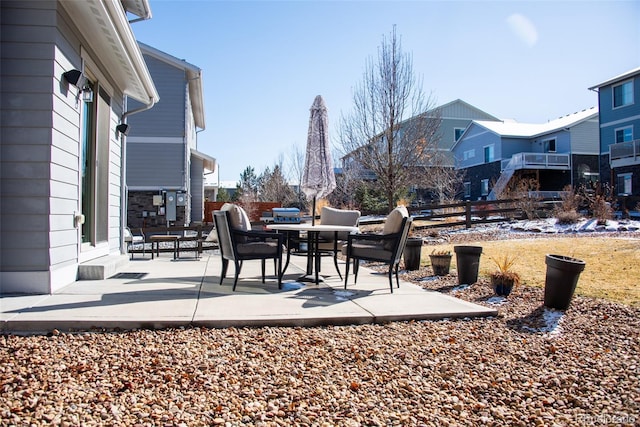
(318, 178)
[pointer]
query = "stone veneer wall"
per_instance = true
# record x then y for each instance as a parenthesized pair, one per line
(141, 201)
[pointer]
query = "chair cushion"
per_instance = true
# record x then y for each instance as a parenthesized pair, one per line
(238, 217)
(370, 251)
(258, 248)
(333, 216)
(393, 224)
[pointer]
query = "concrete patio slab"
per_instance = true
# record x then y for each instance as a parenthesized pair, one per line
(163, 293)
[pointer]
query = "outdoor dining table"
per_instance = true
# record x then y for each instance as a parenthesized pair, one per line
(313, 254)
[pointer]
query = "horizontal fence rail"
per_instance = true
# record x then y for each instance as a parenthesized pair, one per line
(469, 213)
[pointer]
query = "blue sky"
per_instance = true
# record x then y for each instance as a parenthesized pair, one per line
(265, 61)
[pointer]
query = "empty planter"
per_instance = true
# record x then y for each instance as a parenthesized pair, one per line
(440, 263)
(467, 263)
(562, 277)
(412, 253)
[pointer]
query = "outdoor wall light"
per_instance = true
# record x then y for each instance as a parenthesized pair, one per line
(123, 128)
(87, 93)
(74, 77)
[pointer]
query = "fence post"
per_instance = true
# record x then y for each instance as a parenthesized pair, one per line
(467, 207)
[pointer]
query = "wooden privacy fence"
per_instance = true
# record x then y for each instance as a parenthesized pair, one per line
(470, 213)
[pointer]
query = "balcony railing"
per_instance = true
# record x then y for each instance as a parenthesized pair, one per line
(538, 161)
(624, 153)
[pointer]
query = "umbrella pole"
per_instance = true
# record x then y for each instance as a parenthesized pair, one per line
(313, 212)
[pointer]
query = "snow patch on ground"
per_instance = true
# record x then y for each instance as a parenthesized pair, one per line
(551, 320)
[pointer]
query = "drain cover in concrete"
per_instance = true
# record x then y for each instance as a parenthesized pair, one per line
(128, 276)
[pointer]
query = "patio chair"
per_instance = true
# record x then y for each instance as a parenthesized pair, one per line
(239, 243)
(133, 240)
(386, 247)
(331, 242)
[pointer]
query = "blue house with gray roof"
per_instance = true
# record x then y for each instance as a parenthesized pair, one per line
(619, 104)
(557, 153)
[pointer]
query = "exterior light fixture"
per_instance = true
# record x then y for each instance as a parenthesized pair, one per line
(87, 93)
(123, 128)
(75, 77)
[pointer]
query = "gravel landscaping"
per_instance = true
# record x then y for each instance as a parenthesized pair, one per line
(527, 366)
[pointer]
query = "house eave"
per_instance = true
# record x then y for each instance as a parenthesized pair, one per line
(194, 78)
(209, 162)
(103, 23)
(139, 8)
(618, 78)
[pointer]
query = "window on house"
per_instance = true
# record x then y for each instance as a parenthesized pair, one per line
(624, 184)
(457, 133)
(550, 146)
(95, 167)
(484, 187)
(623, 94)
(467, 189)
(488, 154)
(624, 135)
(469, 154)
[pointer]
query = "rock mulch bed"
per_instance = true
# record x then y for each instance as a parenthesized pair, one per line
(528, 366)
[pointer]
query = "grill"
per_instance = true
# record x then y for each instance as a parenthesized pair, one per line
(286, 215)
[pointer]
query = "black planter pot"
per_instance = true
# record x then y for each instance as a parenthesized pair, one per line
(440, 264)
(412, 253)
(467, 263)
(561, 280)
(502, 287)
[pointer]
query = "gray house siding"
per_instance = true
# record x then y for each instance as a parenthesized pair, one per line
(37, 185)
(159, 144)
(167, 117)
(457, 114)
(585, 137)
(197, 189)
(152, 166)
(41, 246)
(447, 131)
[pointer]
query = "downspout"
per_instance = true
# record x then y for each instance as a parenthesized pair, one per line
(124, 191)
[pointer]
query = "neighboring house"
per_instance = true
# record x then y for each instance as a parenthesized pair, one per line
(619, 103)
(65, 68)
(557, 153)
(454, 118)
(165, 171)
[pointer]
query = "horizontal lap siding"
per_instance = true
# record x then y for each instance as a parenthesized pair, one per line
(585, 137)
(612, 119)
(157, 165)
(167, 117)
(197, 189)
(27, 85)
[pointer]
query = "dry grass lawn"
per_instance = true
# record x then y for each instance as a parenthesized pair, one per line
(612, 267)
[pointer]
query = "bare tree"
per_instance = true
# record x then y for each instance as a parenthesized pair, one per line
(296, 168)
(273, 187)
(389, 130)
(440, 177)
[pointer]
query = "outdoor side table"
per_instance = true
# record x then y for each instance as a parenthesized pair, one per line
(155, 243)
